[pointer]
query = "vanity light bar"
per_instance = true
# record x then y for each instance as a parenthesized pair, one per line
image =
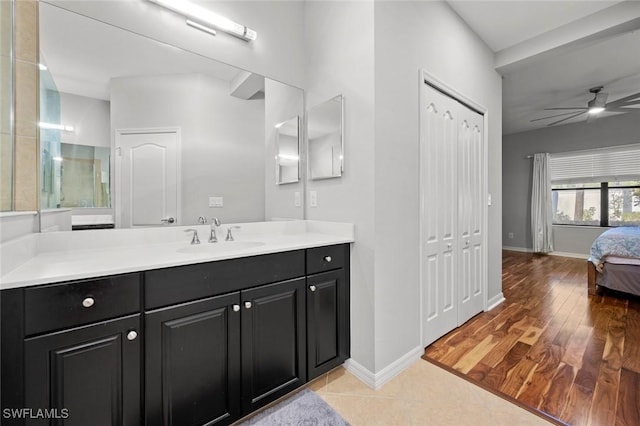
(201, 27)
(199, 15)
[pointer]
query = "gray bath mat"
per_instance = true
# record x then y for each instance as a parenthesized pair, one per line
(304, 408)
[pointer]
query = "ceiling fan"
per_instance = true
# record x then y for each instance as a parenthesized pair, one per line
(595, 106)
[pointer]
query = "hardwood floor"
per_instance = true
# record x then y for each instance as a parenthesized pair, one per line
(552, 347)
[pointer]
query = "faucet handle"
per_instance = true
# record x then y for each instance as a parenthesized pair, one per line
(229, 234)
(202, 220)
(213, 238)
(194, 239)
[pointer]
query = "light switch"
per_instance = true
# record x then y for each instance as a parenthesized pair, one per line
(296, 199)
(313, 198)
(489, 200)
(216, 202)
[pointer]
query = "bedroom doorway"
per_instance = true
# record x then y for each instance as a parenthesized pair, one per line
(453, 209)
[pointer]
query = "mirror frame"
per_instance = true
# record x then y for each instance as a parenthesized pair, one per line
(338, 98)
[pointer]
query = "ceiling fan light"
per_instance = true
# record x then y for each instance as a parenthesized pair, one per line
(595, 110)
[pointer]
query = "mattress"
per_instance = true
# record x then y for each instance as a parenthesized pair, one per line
(616, 244)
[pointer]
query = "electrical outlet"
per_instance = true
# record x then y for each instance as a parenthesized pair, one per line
(296, 199)
(510, 235)
(313, 198)
(216, 202)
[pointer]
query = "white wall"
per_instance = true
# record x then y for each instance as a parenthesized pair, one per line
(618, 130)
(222, 145)
(278, 52)
(89, 117)
(410, 36)
(339, 60)
(282, 102)
(376, 68)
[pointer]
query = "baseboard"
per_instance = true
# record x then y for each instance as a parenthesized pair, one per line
(495, 301)
(553, 253)
(565, 254)
(520, 249)
(377, 380)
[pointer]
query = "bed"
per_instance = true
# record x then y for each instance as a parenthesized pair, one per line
(614, 260)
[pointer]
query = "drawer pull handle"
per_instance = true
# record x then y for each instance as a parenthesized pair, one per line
(88, 302)
(247, 305)
(236, 308)
(132, 335)
(312, 287)
(327, 259)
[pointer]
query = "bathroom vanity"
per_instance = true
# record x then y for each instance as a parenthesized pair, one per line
(189, 344)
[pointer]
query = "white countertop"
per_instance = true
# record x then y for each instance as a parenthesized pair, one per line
(64, 256)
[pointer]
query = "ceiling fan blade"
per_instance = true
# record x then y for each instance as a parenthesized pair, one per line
(626, 100)
(568, 118)
(553, 109)
(625, 110)
(553, 116)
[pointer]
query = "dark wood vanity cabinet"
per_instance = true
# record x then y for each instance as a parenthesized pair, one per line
(273, 342)
(71, 353)
(192, 362)
(89, 375)
(206, 343)
(328, 332)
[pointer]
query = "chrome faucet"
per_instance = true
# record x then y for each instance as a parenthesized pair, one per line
(229, 235)
(215, 223)
(194, 239)
(202, 220)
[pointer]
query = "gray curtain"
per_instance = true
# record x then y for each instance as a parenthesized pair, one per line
(541, 214)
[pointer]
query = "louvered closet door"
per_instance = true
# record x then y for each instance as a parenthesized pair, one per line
(451, 175)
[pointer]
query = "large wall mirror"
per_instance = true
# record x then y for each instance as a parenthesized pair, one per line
(153, 135)
(6, 106)
(325, 138)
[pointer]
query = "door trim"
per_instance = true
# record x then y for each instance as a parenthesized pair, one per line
(118, 133)
(428, 79)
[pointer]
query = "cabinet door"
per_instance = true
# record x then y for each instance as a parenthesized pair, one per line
(327, 322)
(192, 374)
(273, 342)
(91, 374)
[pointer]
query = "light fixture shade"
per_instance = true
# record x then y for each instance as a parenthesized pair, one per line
(200, 15)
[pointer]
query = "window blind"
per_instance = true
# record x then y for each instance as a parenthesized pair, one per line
(613, 164)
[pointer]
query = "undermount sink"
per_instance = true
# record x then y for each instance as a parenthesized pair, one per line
(220, 247)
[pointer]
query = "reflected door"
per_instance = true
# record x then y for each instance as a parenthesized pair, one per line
(147, 188)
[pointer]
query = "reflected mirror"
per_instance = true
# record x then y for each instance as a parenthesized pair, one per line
(288, 148)
(325, 139)
(149, 134)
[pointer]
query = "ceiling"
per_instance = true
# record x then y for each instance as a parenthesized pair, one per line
(550, 53)
(84, 54)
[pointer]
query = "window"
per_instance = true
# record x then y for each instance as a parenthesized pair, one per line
(599, 187)
(597, 204)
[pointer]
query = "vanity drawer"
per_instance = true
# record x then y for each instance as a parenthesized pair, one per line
(163, 287)
(59, 306)
(321, 259)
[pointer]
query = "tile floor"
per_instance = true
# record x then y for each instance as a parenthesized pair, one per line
(423, 394)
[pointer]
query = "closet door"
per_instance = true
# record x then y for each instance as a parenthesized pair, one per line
(452, 192)
(470, 214)
(439, 183)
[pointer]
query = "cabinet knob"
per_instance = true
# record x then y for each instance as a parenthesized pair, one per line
(449, 246)
(247, 305)
(236, 308)
(88, 302)
(132, 335)
(327, 258)
(312, 287)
